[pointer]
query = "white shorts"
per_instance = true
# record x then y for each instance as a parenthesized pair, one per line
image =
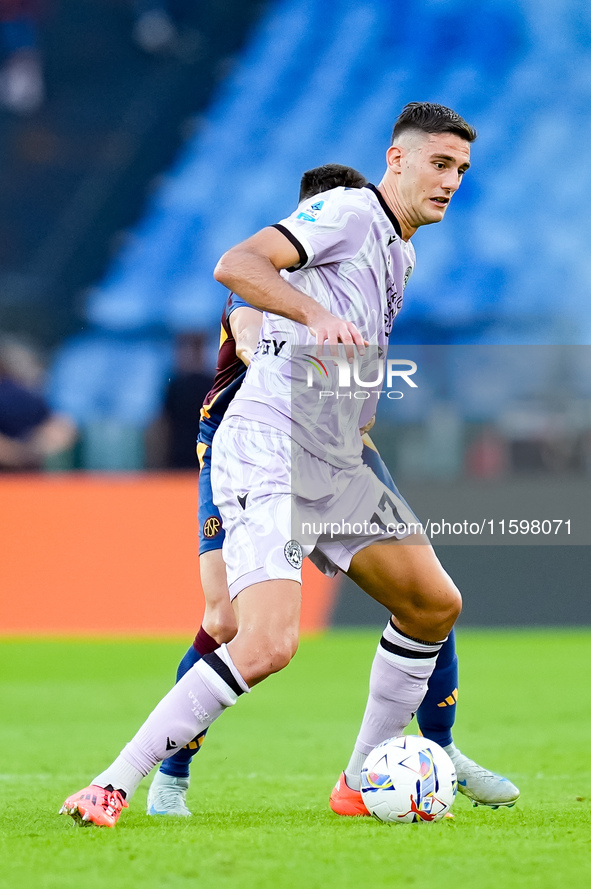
(280, 503)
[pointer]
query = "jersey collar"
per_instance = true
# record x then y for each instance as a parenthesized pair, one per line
(386, 209)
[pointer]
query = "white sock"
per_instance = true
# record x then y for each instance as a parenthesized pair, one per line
(398, 682)
(196, 701)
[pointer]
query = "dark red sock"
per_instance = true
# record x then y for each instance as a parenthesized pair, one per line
(204, 643)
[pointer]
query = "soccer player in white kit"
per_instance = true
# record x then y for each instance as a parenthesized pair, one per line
(285, 460)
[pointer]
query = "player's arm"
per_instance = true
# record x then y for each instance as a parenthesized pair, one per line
(251, 269)
(245, 324)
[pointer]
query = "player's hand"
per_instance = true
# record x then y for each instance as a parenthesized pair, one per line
(245, 353)
(332, 331)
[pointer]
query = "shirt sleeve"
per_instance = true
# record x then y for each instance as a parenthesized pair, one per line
(235, 302)
(330, 227)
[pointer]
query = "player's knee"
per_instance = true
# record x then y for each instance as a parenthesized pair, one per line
(222, 628)
(280, 653)
(447, 609)
(279, 658)
(453, 605)
(430, 612)
(272, 657)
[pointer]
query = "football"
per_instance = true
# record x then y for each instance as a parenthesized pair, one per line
(408, 779)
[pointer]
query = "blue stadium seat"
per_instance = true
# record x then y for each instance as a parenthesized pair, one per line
(323, 82)
(97, 377)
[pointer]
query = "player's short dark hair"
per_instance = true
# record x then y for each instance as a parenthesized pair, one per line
(329, 176)
(429, 117)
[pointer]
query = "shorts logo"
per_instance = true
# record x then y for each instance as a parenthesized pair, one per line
(211, 527)
(293, 553)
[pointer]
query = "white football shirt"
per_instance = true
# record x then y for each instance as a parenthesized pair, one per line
(355, 264)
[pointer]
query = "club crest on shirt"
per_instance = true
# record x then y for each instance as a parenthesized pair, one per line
(211, 527)
(293, 553)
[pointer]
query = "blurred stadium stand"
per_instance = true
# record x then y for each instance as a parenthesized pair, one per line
(321, 82)
(74, 174)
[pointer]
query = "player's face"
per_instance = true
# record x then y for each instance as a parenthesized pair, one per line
(430, 168)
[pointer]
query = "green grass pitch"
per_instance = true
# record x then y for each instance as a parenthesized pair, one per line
(262, 780)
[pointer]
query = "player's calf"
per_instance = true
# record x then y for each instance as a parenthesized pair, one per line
(408, 579)
(268, 634)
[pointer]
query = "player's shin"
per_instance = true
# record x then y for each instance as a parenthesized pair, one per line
(177, 766)
(437, 713)
(202, 644)
(400, 671)
(195, 702)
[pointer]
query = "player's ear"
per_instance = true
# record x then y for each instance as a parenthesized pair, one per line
(394, 157)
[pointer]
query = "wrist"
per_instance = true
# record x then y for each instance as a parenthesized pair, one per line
(313, 313)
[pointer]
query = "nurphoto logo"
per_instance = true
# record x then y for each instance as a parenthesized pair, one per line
(349, 376)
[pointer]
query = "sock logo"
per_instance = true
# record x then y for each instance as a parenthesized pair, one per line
(197, 709)
(170, 745)
(450, 699)
(196, 743)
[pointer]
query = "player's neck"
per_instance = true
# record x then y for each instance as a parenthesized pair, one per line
(391, 197)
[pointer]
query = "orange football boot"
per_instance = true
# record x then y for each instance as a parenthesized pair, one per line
(345, 801)
(95, 805)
